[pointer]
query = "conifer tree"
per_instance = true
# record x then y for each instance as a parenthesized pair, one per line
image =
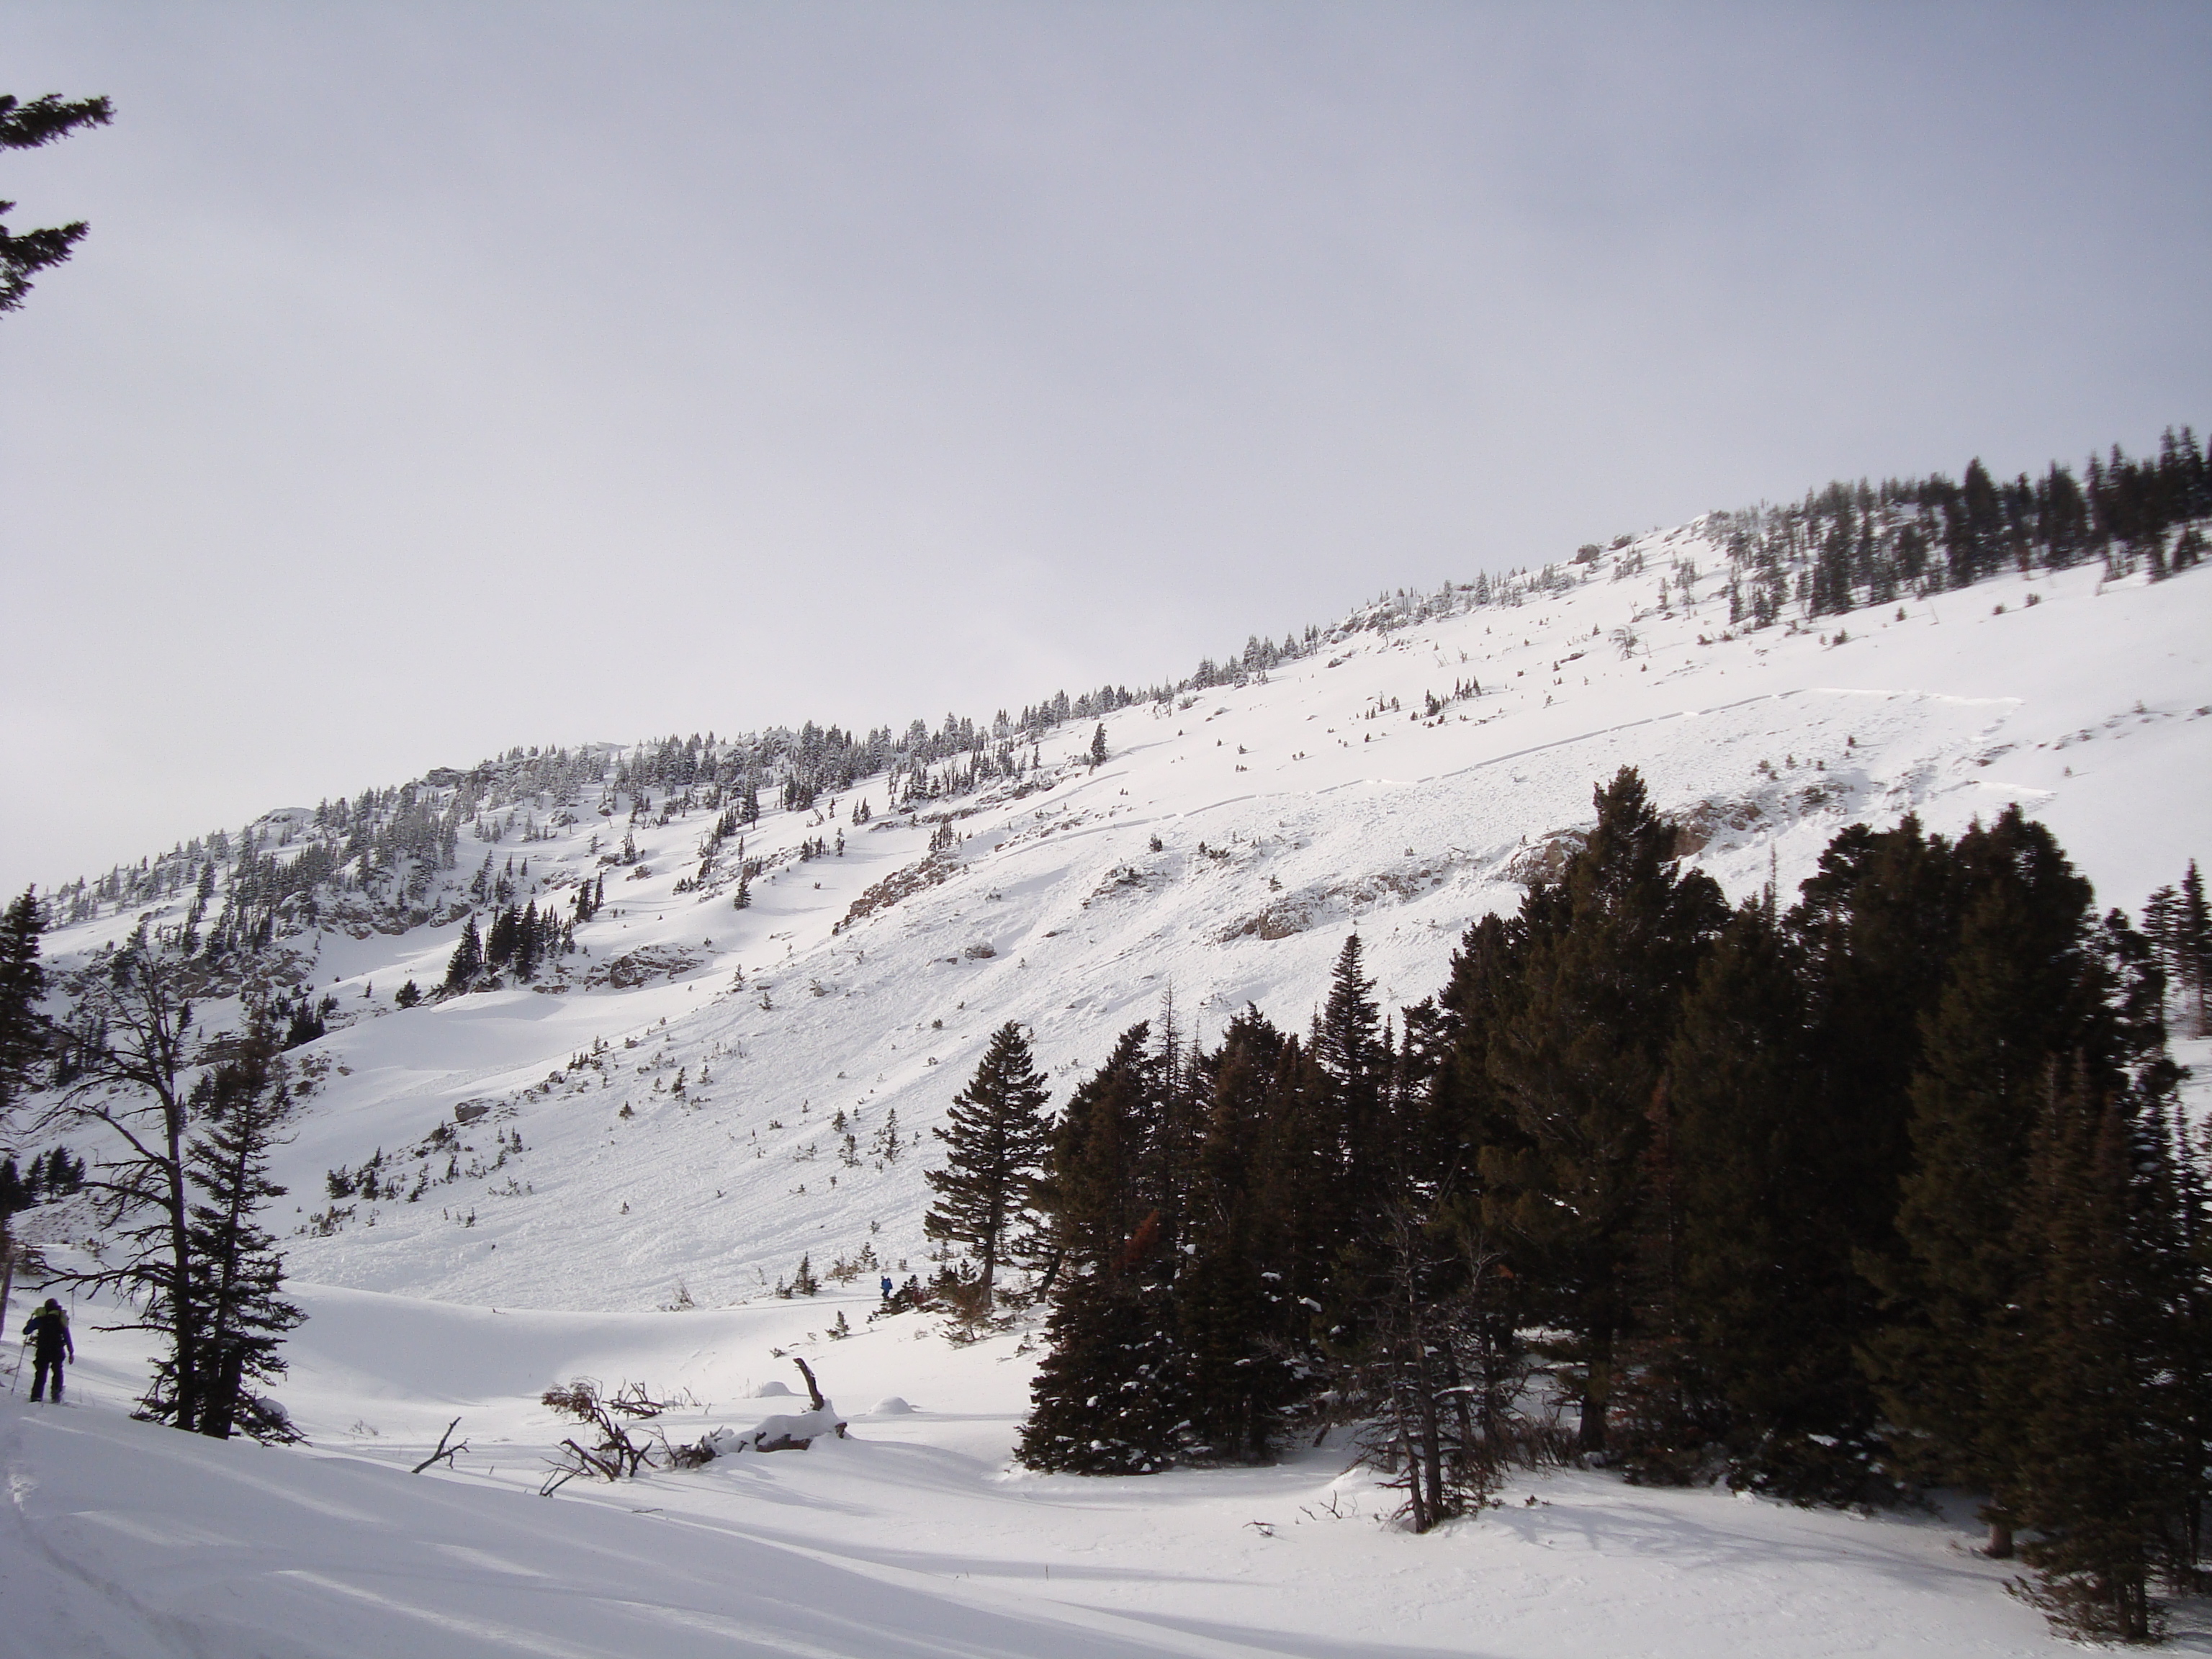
(996, 1136)
(1348, 1045)
(467, 960)
(22, 989)
(1465, 1111)
(2020, 992)
(1107, 1399)
(2192, 952)
(1298, 1202)
(238, 1274)
(529, 942)
(1876, 925)
(1238, 1320)
(1582, 1061)
(2099, 1476)
(26, 126)
(1769, 1299)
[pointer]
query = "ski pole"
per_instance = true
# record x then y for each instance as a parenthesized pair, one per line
(15, 1377)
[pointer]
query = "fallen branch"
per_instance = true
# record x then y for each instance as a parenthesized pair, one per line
(445, 1454)
(616, 1455)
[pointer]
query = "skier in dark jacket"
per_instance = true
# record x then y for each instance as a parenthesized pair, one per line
(48, 1333)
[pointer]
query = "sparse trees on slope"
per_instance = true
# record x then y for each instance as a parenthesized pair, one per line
(996, 1136)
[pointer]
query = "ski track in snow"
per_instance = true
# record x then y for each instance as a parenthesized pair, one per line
(914, 1536)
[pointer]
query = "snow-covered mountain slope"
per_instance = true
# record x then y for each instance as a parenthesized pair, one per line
(1218, 855)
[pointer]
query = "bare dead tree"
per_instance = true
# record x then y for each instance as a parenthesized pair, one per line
(127, 1043)
(1440, 1380)
(618, 1455)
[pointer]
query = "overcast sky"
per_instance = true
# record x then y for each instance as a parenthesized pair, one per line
(441, 377)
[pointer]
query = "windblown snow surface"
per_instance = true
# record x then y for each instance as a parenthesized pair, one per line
(1286, 813)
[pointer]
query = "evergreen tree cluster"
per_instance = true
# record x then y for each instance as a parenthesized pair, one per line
(518, 942)
(1850, 544)
(2179, 925)
(301, 1018)
(51, 1175)
(1887, 1188)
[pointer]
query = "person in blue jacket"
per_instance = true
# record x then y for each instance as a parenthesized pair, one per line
(48, 1333)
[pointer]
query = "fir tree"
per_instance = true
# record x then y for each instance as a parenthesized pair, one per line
(1347, 1043)
(238, 1274)
(529, 942)
(1768, 1298)
(22, 989)
(467, 960)
(1238, 1321)
(996, 1137)
(2192, 952)
(2020, 991)
(1107, 1399)
(26, 126)
(1581, 1059)
(2100, 1475)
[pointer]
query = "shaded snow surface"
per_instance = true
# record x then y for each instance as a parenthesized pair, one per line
(911, 1536)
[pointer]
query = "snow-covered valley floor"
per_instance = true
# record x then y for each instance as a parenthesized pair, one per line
(912, 1536)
